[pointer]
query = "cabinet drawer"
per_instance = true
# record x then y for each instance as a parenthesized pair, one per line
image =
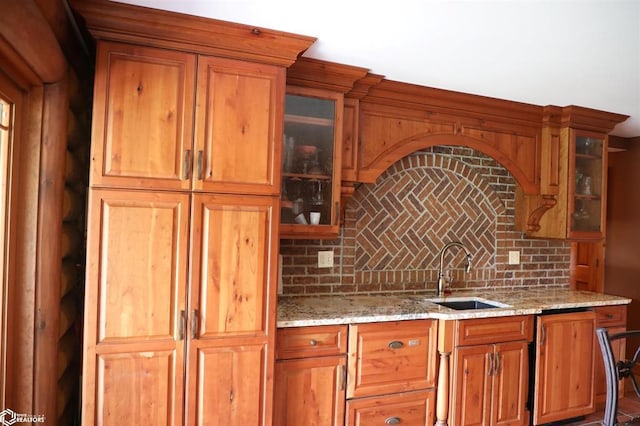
(494, 330)
(607, 316)
(406, 409)
(391, 357)
(304, 342)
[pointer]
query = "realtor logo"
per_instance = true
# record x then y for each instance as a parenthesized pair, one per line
(9, 417)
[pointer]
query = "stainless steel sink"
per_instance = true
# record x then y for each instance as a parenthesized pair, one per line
(463, 304)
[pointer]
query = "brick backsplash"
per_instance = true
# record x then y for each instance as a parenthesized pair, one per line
(394, 229)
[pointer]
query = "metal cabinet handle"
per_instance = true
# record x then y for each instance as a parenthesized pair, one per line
(543, 335)
(194, 324)
(182, 324)
(187, 164)
(396, 344)
(343, 377)
(199, 164)
(490, 370)
(392, 421)
(313, 342)
(496, 360)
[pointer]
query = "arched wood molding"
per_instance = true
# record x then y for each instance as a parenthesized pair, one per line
(396, 119)
(402, 148)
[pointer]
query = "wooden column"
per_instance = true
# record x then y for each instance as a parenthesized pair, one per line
(49, 259)
(445, 347)
(442, 396)
(31, 56)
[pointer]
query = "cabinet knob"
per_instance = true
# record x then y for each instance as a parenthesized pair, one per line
(392, 421)
(396, 344)
(313, 342)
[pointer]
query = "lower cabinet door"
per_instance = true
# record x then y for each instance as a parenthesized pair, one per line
(510, 384)
(406, 409)
(471, 396)
(564, 367)
(310, 391)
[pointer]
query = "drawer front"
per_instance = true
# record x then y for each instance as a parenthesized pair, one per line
(608, 316)
(483, 331)
(391, 357)
(305, 342)
(406, 409)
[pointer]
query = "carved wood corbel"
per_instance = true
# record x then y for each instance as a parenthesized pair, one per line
(545, 203)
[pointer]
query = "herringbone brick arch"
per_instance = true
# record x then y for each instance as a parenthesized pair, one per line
(393, 230)
(417, 206)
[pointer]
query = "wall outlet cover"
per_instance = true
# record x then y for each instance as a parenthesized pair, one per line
(514, 257)
(325, 259)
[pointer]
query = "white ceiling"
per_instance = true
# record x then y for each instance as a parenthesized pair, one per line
(543, 52)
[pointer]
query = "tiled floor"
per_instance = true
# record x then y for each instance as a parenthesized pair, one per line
(628, 408)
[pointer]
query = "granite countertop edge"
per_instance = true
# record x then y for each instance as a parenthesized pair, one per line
(299, 311)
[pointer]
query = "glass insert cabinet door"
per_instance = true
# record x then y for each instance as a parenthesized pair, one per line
(589, 185)
(310, 187)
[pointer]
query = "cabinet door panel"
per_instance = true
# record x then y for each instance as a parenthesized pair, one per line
(471, 395)
(136, 284)
(312, 389)
(230, 384)
(140, 388)
(407, 408)
(233, 239)
(564, 367)
(141, 241)
(239, 117)
(143, 115)
(391, 357)
(510, 384)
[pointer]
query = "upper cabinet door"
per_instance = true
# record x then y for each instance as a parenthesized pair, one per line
(142, 117)
(587, 185)
(311, 166)
(239, 116)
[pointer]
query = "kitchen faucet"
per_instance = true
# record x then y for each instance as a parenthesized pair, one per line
(442, 253)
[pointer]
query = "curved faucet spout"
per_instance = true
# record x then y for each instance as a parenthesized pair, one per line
(441, 255)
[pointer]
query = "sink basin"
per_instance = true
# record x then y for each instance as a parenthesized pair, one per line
(462, 304)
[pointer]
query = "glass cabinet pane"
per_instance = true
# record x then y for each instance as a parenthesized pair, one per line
(589, 185)
(307, 160)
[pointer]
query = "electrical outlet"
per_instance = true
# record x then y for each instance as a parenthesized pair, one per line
(325, 259)
(514, 257)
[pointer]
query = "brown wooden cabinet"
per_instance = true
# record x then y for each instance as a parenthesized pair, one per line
(414, 408)
(571, 203)
(310, 378)
(145, 309)
(183, 218)
(151, 96)
(587, 265)
(565, 344)
(136, 298)
(490, 369)
(311, 163)
(392, 372)
(614, 318)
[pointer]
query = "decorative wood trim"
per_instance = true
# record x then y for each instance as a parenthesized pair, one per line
(545, 203)
(421, 98)
(309, 72)
(159, 28)
(29, 34)
(49, 259)
(362, 86)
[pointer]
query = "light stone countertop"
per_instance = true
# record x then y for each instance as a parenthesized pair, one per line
(296, 311)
